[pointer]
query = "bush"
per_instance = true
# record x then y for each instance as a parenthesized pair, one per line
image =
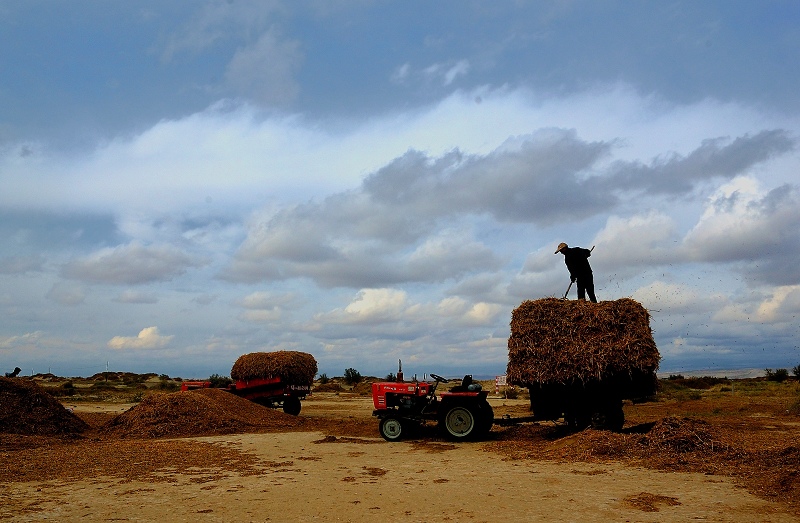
(352, 376)
(323, 379)
(779, 375)
(218, 381)
(169, 386)
(511, 393)
(796, 371)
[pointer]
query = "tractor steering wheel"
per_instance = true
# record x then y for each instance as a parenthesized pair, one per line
(439, 378)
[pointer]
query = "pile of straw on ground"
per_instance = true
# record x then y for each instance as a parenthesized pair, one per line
(196, 413)
(25, 408)
(292, 366)
(555, 341)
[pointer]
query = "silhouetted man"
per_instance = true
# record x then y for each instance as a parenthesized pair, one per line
(580, 272)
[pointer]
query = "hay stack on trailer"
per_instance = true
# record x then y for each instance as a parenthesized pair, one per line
(291, 366)
(579, 351)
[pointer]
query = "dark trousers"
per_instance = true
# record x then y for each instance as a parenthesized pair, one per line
(586, 286)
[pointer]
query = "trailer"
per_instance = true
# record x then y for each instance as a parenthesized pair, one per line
(272, 392)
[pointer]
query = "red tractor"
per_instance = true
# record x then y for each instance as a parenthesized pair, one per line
(462, 413)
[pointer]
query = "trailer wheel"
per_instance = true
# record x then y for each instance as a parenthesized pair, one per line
(609, 417)
(460, 422)
(291, 405)
(391, 428)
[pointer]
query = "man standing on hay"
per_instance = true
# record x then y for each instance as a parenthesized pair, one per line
(577, 260)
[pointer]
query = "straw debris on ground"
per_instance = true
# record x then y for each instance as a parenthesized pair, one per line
(292, 366)
(556, 341)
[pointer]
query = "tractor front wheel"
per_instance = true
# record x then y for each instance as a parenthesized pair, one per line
(459, 422)
(391, 428)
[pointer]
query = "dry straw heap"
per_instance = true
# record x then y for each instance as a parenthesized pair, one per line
(556, 341)
(25, 408)
(292, 366)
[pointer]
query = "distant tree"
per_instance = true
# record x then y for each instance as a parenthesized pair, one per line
(218, 381)
(796, 371)
(323, 378)
(778, 375)
(352, 376)
(391, 377)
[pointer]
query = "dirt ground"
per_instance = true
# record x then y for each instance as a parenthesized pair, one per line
(332, 465)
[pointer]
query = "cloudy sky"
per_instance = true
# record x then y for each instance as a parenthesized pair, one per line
(183, 182)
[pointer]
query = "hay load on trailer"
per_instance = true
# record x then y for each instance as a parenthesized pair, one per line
(293, 366)
(579, 360)
(277, 379)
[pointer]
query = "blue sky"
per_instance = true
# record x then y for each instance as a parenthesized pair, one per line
(184, 182)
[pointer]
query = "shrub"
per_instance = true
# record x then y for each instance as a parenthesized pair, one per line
(779, 375)
(323, 379)
(169, 386)
(352, 376)
(511, 393)
(218, 381)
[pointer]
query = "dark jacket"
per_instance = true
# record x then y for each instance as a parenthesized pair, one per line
(577, 260)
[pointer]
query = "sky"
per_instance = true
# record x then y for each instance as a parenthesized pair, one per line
(183, 182)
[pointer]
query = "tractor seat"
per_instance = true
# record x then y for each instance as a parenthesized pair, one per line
(467, 385)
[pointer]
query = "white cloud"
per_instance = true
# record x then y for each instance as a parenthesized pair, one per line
(742, 221)
(148, 338)
(131, 296)
(649, 239)
(376, 305)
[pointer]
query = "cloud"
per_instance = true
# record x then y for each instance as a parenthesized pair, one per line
(759, 229)
(714, 158)
(130, 296)
(217, 22)
(130, 264)
(23, 341)
(642, 240)
(391, 313)
(20, 264)
(67, 293)
(148, 338)
(264, 71)
(265, 307)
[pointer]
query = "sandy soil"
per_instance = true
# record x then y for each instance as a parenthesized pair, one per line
(345, 472)
(307, 477)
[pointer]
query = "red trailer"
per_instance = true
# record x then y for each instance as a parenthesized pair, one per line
(271, 392)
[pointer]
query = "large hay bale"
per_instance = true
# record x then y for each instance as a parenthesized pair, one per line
(25, 408)
(292, 366)
(555, 341)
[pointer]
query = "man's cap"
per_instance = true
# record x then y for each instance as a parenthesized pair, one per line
(561, 245)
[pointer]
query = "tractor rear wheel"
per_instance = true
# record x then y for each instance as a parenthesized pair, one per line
(460, 422)
(391, 428)
(487, 417)
(291, 405)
